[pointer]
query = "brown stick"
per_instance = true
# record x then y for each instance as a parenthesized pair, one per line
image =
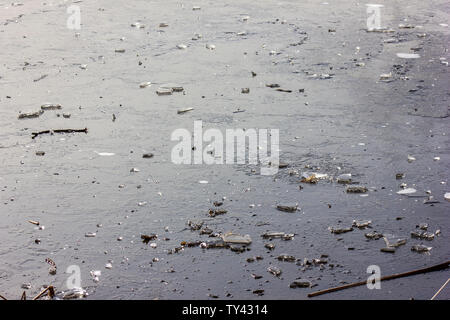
(51, 292)
(49, 288)
(35, 134)
(440, 289)
(2, 297)
(437, 267)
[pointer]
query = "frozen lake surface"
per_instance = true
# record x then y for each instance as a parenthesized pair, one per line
(341, 116)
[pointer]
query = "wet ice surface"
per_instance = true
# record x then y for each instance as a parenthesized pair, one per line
(349, 123)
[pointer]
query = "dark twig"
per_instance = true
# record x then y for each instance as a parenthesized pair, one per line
(428, 116)
(35, 134)
(437, 267)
